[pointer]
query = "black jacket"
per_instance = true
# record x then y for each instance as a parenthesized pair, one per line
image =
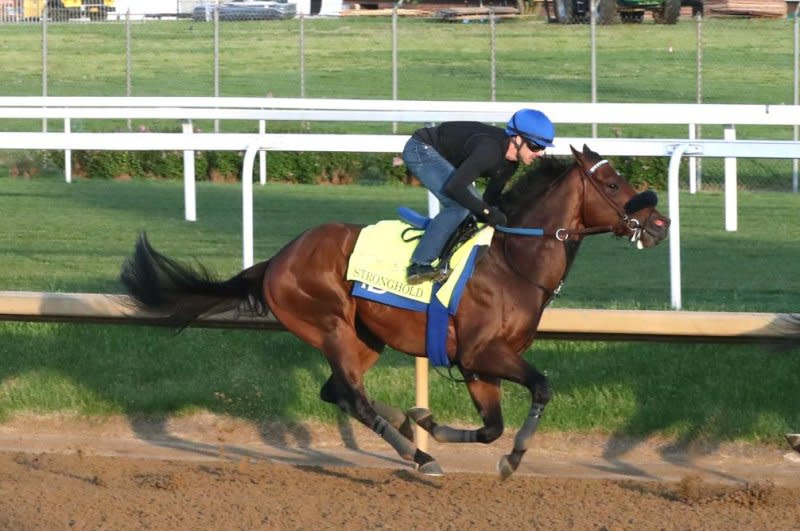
(475, 150)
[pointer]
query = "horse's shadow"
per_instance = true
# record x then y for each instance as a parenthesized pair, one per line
(671, 392)
(147, 360)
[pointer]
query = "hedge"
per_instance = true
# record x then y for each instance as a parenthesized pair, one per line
(295, 167)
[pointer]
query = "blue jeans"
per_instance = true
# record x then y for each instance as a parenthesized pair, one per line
(434, 171)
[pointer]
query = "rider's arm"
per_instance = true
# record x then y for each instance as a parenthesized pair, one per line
(494, 188)
(483, 157)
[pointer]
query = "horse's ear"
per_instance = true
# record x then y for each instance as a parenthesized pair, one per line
(575, 152)
(589, 154)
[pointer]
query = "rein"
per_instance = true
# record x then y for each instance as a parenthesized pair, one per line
(563, 234)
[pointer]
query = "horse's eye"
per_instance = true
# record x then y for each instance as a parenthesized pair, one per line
(613, 186)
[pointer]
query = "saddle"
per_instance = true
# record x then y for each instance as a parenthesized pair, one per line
(466, 230)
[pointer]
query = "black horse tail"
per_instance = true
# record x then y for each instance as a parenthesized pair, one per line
(182, 293)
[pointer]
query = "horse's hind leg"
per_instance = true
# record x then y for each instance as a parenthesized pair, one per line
(393, 415)
(344, 356)
(485, 394)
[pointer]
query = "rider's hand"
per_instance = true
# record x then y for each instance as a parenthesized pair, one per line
(495, 217)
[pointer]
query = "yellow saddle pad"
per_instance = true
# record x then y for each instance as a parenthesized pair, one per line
(380, 259)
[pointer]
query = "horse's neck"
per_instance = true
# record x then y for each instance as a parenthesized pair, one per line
(543, 262)
(559, 207)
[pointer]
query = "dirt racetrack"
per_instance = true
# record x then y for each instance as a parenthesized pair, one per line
(215, 473)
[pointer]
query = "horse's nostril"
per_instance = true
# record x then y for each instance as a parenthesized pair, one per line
(659, 223)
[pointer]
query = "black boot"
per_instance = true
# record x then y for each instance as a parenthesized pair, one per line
(419, 273)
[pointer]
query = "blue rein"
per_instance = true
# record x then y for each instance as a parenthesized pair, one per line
(421, 221)
(520, 231)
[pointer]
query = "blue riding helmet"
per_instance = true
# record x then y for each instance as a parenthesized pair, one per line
(532, 125)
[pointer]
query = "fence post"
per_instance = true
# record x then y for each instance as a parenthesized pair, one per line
(247, 204)
(493, 48)
(68, 153)
(421, 398)
(189, 178)
(730, 185)
(302, 56)
(593, 25)
(421, 365)
(44, 60)
(796, 89)
(696, 163)
(673, 191)
(262, 155)
(216, 58)
(693, 162)
(394, 61)
(128, 59)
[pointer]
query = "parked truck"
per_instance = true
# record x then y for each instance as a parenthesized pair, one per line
(611, 11)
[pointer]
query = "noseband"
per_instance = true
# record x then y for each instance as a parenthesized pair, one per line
(631, 224)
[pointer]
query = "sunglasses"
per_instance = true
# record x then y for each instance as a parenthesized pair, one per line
(533, 146)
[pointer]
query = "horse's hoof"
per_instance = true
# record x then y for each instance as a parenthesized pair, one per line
(418, 414)
(794, 441)
(505, 468)
(431, 468)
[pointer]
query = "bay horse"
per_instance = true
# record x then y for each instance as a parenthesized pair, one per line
(304, 286)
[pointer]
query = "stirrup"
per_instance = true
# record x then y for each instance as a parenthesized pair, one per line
(443, 274)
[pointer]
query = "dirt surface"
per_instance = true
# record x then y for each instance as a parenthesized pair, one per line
(216, 473)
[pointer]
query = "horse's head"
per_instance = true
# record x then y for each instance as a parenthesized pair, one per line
(610, 200)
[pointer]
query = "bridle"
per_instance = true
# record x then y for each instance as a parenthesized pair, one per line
(563, 234)
(628, 222)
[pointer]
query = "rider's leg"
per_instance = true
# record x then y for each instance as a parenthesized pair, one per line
(438, 232)
(433, 171)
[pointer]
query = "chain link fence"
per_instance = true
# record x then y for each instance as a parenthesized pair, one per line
(214, 50)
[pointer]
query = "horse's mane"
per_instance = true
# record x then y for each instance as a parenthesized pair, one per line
(531, 185)
(529, 188)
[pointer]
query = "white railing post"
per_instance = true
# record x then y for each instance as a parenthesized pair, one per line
(189, 199)
(68, 153)
(692, 162)
(673, 189)
(731, 214)
(262, 155)
(247, 204)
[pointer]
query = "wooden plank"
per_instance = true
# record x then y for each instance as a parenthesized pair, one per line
(670, 325)
(475, 13)
(98, 308)
(386, 12)
(556, 323)
(754, 8)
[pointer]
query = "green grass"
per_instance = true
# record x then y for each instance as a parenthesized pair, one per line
(74, 237)
(352, 58)
(744, 61)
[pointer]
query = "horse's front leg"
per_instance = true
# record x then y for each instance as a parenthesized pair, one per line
(485, 394)
(539, 388)
(507, 365)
